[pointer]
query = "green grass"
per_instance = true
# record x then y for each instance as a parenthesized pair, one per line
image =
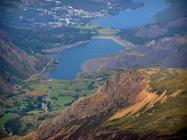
(63, 93)
(171, 81)
(33, 112)
(40, 88)
(100, 30)
(105, 31)
(7, 117)
(164, 118)
(63, 101)
(89, 26)
(167, 118)
(21, 104)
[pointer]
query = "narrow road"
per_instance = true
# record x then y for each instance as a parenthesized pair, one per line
(47, 99)
(48, 96)
(42, 71)
(45, 67)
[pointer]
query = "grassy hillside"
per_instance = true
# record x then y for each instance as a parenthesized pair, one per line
(165, 118)
(25, 110)
(129, 105)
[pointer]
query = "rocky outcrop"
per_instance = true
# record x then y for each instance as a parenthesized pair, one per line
(110, 112)
(120, 90)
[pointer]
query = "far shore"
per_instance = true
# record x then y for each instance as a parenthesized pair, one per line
(126, 44)
(62, 48)
(116, 39)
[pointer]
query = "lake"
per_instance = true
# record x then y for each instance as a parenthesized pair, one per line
(134, 18)
(72, 59)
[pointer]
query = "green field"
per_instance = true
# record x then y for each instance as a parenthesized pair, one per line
(27, 105)
(6, 117)
(97, 29)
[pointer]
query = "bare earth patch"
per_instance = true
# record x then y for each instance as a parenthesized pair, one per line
(145, 99)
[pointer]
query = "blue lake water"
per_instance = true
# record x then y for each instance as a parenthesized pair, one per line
(72, 59)
(134, 18)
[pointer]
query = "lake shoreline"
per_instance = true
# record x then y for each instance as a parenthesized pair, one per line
(62, 48)
(126, 44)
(96, 48)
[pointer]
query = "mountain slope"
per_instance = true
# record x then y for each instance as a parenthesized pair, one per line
(15, 63)
(131, 105)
